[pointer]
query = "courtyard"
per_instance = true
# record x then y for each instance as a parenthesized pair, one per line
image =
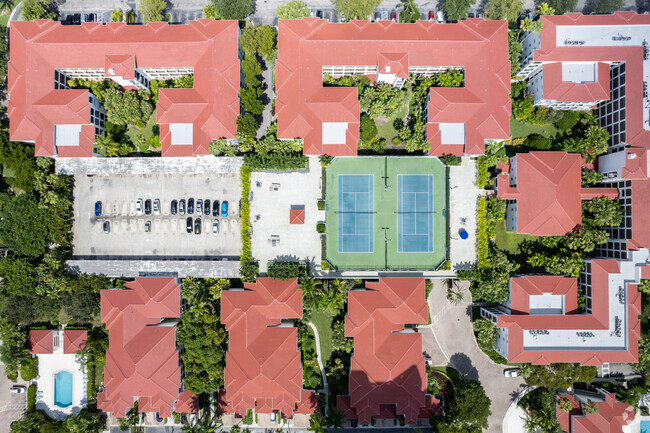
(133, 233)
(386, 213)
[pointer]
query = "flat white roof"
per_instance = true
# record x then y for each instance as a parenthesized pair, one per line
(452, 133)
(66, 135)
(334, 132)
(546, 303)
(580, 72)
(181, 133)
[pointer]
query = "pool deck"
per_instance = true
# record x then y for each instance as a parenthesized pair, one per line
(48, 366)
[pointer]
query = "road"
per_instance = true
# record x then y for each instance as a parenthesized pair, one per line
(449, 341)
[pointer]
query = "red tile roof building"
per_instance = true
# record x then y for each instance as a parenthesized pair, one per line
(544, 193)
(74, 340)
(263, 370)
(387, 376)
(610, 417)
(458, 120)
(142, 361)
(63, 121)
(41, 341)
(540, 323)
(297, 215)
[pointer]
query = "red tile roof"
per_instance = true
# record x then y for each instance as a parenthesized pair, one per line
(297, 216)
(38, 47)
(631, 55)
(387, 367)
(549, 192)
(520, 321)
(142, 360)
(308, 45)
(263, 370)
(610, 417)
(188, 402)
(41, 341)
(566, 91)
(74, 340)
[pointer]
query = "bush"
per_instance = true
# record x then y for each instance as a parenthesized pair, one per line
(247, 125)
(29, 369)
(325, 266)
(31, 398)
(286, 270)
(320, 228)
(248, 270)
(451, 78)
(276, 162)
(450, 159)
(378, 145)
(248, 420)
(35, 9)
(568, 120)
(410, 14)
(367, 127)
(117, 16)
(321, 204)
(538, 142)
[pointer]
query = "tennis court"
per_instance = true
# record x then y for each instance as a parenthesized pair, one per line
(414, 213)
(386, 213)
(355, 215)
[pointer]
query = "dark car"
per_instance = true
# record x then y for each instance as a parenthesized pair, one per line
(181, 207)
(190, 206)
(76, 19)
(92, 18)
(174, 205)
(215, 208)
(224, 209)
(197, 226)
(188, 224)
(319, 14)
(471, 15)
(107, 227)
(199, 207)
(69, 20)
(147, 227)
(206, 207)
(98, 208)
(147, 207)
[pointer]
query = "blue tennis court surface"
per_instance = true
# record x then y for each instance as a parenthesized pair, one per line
(355, 213)
(414, 213)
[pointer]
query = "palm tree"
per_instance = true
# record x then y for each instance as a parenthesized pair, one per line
(335, 418)
(206, 424)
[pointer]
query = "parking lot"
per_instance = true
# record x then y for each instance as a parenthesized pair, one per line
(161, 234)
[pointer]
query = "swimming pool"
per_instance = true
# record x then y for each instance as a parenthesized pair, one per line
(63, 389)
(645, 426)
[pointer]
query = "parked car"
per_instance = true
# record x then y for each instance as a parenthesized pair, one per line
(432, 15)
(441, 17)
(17, 389)
(199, 207)
(92, 18)
(181, 207)
(190, 206)
(147, 207)
(511, 372)
(224, 209)
(173, 207)
(188, 224)
(147, 226)
(428, 361)
(84, 18)
(77, 19)
(377, 16)
(69, 20)
(319, 14)
(206, 207)
(138, 206)
(98, 208)
(215, 227)
(472, 15)
(156, 207)
(197, 226)
(274, 417)
(393, 16)
(107, 227)
(215, 208)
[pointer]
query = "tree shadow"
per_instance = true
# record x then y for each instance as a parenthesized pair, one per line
(463, 364)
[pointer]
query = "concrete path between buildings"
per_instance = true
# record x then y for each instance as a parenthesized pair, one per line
(463, 201)
(449, 341)
(267, 114)
(319, 358)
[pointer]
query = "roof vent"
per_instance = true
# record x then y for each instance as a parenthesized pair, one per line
(631, 155)
(388, 69)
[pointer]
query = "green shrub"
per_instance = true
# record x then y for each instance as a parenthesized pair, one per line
(321, 204)
(286, 270)
(248, 270)
(450, 159)
(31, 398)
(320, 228)
(446, 266)
(325, 266)
(29, 369)
(396, 141)
(325, 160)
(538, 142)
(278, 162)
(451, 78)
(367, 127)
(248, 420)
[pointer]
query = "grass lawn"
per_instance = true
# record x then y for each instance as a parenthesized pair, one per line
(509, 241)
(519, 129)
(387, 130)
(323, 322)
(451, 373)
(6, 13)
(147, 131)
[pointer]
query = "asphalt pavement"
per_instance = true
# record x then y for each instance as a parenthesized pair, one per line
(12, 406)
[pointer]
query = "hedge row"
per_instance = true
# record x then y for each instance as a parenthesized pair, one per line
(483, 236)
(278, 162)
(249, 270)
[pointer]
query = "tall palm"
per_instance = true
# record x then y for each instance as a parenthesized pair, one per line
(206, 424)
(335, 418)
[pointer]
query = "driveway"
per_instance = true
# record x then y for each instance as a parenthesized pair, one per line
(449, 340)
(12, 406)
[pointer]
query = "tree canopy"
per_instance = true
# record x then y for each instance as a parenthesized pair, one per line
(18, 163)
(25, 225)
(457, 9)
(503, 9)
(607, 6)
(470, 405)
(294, 10)
(563, 6)
(558, 375)
(35, 9)
(229, 9)
(152, 10)
(355, 9)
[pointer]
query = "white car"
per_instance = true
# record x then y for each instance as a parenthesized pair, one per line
(17, 389)
(138, 206)
(511, 372)
(441, 17)
(156, 207)
(215, 227)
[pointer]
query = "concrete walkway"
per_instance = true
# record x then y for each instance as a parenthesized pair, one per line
(267, 114)
(319, 358)
(513, 421)
(450, 341)
(463, 201)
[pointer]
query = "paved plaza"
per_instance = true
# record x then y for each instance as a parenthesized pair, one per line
(463, 202)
